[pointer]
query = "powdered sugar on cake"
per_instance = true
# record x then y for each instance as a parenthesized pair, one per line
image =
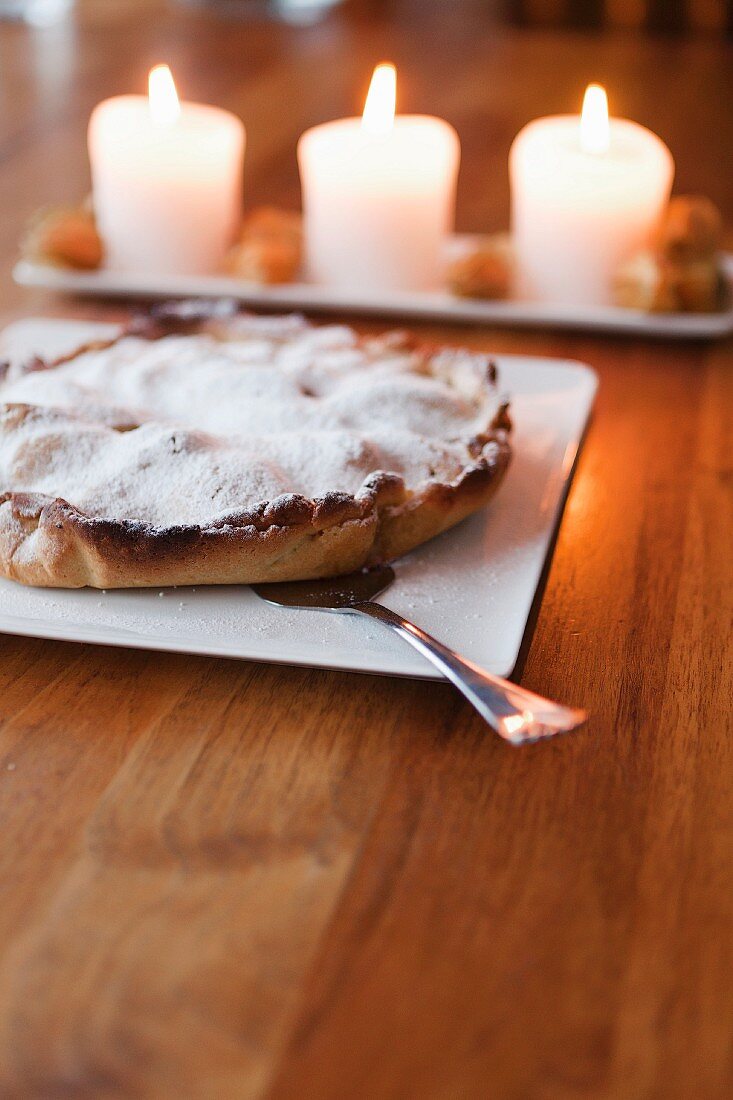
(187, 429)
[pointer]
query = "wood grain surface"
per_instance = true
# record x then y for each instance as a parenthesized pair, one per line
(230, 880)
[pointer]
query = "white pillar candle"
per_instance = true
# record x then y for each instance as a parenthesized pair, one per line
(586, 192)
(378, 195)
(167, 180)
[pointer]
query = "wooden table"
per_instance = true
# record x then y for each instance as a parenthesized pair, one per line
(232, 880)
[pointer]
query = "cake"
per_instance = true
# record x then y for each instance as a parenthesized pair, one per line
(203, 446)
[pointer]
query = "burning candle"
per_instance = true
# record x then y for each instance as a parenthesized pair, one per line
(167, 180)
(586, 193)
(378, 195)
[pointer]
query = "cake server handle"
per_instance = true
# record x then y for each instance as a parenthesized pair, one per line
(514, 713)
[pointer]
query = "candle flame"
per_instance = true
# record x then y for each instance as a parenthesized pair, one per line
(162, 96)
(595, 133)
(379, 109)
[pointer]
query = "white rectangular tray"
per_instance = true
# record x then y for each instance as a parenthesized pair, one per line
(473, 587)
(419, 305)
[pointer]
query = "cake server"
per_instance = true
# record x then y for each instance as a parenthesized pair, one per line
(517, 715)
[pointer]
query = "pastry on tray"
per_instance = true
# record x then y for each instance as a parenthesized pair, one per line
(270, 247)
(681, 270)
(650, 282)
(484, 271)
(64, 236)
(201, 446)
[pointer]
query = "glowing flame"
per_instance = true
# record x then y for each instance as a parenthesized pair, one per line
(162, 96)
(379, 109)
(595, 135)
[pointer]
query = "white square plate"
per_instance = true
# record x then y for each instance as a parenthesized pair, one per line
(472, 587)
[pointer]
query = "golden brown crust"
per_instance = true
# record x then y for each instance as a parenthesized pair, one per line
(49, 543)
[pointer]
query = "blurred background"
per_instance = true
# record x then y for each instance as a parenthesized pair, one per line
(487, 66)
(652, 15)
